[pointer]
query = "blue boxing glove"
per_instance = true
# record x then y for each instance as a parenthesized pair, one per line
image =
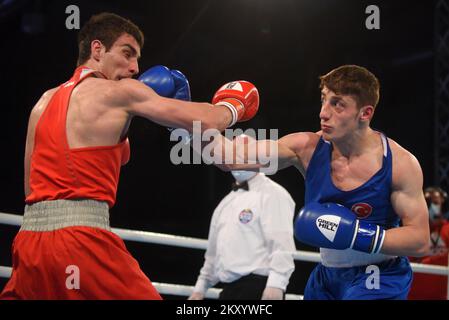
(333, 226)
(182, 87)
(167, 83)
(170, 84)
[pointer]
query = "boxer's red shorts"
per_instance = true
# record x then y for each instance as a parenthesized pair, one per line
(45, 266)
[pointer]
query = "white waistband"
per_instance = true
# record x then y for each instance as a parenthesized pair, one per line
(53, 215)
(350, 258)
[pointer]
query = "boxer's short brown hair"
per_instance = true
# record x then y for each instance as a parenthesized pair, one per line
(355, 81)
(107, 28)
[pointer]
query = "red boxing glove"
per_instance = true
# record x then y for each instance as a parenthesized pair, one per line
(241, 98)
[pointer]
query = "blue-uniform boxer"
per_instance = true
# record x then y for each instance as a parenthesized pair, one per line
(364, 203)
(351, 234)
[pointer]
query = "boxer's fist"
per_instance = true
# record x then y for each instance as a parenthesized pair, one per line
(167, 83)
(240, 97)
(330, 225)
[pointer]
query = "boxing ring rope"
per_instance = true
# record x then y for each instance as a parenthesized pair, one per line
(194, 243)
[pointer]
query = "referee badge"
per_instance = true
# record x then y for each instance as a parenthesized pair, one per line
(246, 216)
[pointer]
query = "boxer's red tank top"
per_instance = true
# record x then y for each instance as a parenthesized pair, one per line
(58, 172)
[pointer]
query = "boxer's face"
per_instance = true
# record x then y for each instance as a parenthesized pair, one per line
(121, 61)
(340, 116)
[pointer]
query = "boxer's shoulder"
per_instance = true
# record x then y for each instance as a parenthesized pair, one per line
(49, 93)
(299, 141)
(98, 91)
(401, 155)
(92, 84)
(40, 106)
(124, 88)
(406, 167)
(301, 145)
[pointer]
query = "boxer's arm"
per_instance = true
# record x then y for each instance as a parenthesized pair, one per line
(140, 100)
(295, 149)
(407, 198)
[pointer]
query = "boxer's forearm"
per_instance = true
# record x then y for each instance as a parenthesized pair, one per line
(406, 241)
(241, 154)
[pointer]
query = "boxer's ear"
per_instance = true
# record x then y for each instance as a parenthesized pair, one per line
(96, 50)
(366, 113)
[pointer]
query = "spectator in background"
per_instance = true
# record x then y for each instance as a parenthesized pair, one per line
(428, 286)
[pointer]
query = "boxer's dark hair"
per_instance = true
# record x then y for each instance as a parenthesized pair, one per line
(107, 28)
(355, 81)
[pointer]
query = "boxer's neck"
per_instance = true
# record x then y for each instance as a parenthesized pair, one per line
(355, 144)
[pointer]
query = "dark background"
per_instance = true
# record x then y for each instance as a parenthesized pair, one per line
(282, 46)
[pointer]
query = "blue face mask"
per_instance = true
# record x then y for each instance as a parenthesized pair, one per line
(434, 211)
(242, 176)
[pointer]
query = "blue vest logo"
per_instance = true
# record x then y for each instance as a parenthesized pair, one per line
(362, 210)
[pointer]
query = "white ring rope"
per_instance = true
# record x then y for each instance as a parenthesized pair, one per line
(194, 243)
(5, 272)
(169, 289)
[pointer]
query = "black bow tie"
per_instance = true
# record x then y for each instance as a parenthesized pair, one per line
(242, 185)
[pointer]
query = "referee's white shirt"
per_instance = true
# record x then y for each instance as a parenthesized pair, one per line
(251, 232)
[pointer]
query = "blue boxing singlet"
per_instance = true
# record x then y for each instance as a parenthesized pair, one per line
(370, 201)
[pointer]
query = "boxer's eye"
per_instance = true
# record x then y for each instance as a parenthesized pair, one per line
(337, 103)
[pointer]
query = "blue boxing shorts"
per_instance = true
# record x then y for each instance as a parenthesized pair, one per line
(392, 282)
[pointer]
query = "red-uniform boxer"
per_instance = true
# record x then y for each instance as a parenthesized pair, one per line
(76, 143)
